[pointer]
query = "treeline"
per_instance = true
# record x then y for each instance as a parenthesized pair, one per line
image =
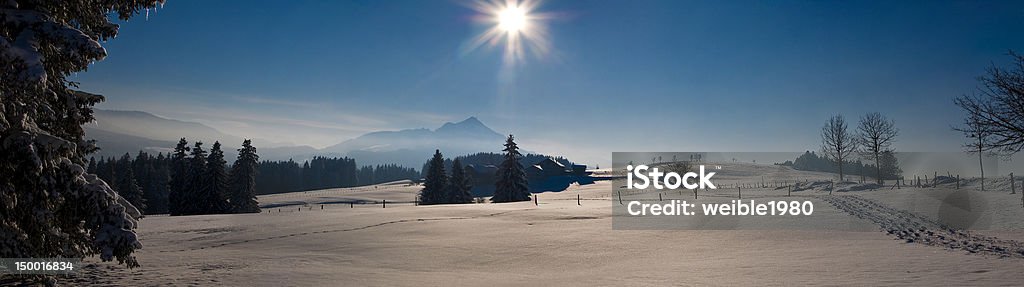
(324, 172)
(142, 181)
(440, 187)
(810, 161)
(495, 159)
(185, 182)
(201, 184)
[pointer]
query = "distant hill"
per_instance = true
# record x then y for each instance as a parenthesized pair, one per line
(146, 125)
(412, 146)
(118, 132)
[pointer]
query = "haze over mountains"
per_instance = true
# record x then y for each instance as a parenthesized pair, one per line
(118, 132)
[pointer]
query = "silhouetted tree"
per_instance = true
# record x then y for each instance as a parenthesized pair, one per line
(837, 143)
(195, 183)
(127, 187)
(243, 180)
(889, 165)
(157, 189)
(995, 115)
(178, 184)
(511, 185)
(213, 196)
(458, 185)
(436, 183)
(92, 166)
(979, 143)
(876, 134)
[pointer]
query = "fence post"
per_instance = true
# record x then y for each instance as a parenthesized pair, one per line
(535, 203)
(578, 200)
(1013, 185)
(620, 197)
(659, 197)
(789, 190)
(831, 186)
(384, 203)
(739, 192)
(958, 181)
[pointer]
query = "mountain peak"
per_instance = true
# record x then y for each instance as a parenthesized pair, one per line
(471, 124)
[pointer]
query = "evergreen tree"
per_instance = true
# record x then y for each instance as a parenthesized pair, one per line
(49, 206)
(436, 182)
(195, 185)
(214, 196)
(92, 165)
(127, 187)
(179, 176)
(156, 189)
(243, 180)
(511, 185)
(458, 186)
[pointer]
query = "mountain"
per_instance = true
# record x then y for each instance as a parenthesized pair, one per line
(411, 147)
(118, 132)
(146, 125)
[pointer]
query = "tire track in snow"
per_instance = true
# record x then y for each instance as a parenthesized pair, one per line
(913, 228)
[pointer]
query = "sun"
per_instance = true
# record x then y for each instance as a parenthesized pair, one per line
(515, 25)
(512, 19)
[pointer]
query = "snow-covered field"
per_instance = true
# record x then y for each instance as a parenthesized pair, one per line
(559, 242)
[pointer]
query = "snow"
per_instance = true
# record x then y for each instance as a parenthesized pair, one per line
(560, 243)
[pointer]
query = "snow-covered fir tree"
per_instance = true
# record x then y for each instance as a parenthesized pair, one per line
(49, 205)
(127, 186)
(458, 185)
(243, 180)
(511, 184)
(436, 183)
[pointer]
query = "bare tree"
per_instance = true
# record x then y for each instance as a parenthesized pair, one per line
(837, 143)
(876, 134)
(978, 143)
(994, 124)
(997, 110)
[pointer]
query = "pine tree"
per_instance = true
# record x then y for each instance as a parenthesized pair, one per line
(157, 187)
(216, 182)
(511, 185)
(458, 186)
(243, 180)
(195, 183)
(127, 187)
(92, 165)
(49, 205)
(436, 182)
(179, 176)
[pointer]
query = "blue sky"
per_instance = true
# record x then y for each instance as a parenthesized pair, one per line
(619, 76)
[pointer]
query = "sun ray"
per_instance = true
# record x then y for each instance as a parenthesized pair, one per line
(514, 25)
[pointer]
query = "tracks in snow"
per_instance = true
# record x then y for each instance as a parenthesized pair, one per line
(913, 228)
(336, 230)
